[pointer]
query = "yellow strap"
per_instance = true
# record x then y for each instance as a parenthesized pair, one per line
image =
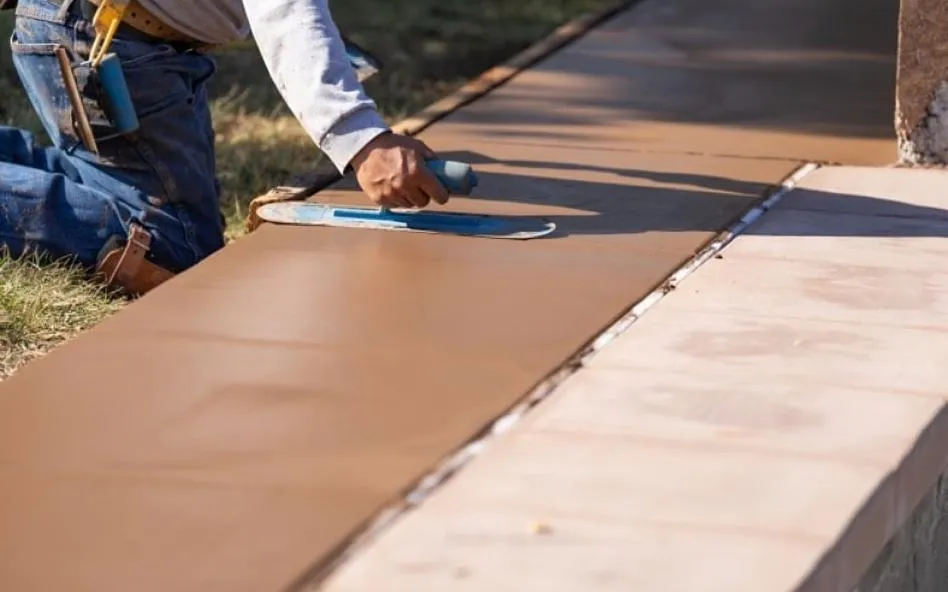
(106, 22)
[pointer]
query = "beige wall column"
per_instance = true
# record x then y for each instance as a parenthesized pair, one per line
(922, 88)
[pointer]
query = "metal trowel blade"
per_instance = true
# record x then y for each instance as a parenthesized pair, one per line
(479, 225)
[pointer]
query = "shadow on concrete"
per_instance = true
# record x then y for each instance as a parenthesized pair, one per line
(820, 67)
(690, 202)
(825, 67)
(809, 66)
(677, 202)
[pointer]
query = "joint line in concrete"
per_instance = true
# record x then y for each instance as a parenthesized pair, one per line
(455, 462)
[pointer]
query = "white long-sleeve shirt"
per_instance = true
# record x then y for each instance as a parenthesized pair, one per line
(305, 55)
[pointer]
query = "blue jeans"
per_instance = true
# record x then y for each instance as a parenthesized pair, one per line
(67, 202)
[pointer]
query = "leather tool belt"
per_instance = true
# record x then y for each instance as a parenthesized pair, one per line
(139, 18)
(126, 267)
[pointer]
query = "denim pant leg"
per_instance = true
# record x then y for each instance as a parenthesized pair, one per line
(64, 200)
(57, 205)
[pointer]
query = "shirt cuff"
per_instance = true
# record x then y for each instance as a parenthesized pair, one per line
(350, 134)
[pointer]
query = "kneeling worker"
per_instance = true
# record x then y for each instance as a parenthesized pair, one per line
(139, 207)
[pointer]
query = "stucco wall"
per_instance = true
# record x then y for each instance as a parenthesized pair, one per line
(922, 87)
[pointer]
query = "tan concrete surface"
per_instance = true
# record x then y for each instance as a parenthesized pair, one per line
(768, 426)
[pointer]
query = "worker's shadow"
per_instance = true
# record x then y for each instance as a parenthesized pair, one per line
(641, 201)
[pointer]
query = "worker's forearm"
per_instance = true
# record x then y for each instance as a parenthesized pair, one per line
(307, 60)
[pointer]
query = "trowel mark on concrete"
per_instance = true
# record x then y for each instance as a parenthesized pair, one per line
(928, 143)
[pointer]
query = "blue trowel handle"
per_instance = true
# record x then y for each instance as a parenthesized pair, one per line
(457, 177)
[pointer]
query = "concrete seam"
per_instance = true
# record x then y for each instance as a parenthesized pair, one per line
(711, 250)
(439, 476)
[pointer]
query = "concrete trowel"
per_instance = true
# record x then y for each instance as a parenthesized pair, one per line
(458, 177)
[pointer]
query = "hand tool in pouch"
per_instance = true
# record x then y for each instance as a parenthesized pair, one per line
(457, 177)
(106, 69)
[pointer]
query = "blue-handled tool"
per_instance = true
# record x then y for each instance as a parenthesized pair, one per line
(307, 213)
(458, 177)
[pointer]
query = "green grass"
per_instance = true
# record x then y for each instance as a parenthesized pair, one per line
(43, 304)
(429, 47)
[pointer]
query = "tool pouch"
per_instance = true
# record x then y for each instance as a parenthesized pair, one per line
(106, 77)
(100, 101)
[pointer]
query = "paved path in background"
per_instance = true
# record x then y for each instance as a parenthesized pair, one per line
(234, 428)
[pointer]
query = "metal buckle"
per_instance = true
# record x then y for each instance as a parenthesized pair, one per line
(106, 22)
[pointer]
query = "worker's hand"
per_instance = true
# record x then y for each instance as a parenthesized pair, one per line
(391, 170)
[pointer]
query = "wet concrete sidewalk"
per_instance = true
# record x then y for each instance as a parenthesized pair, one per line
(767, 426)
(235, 428)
